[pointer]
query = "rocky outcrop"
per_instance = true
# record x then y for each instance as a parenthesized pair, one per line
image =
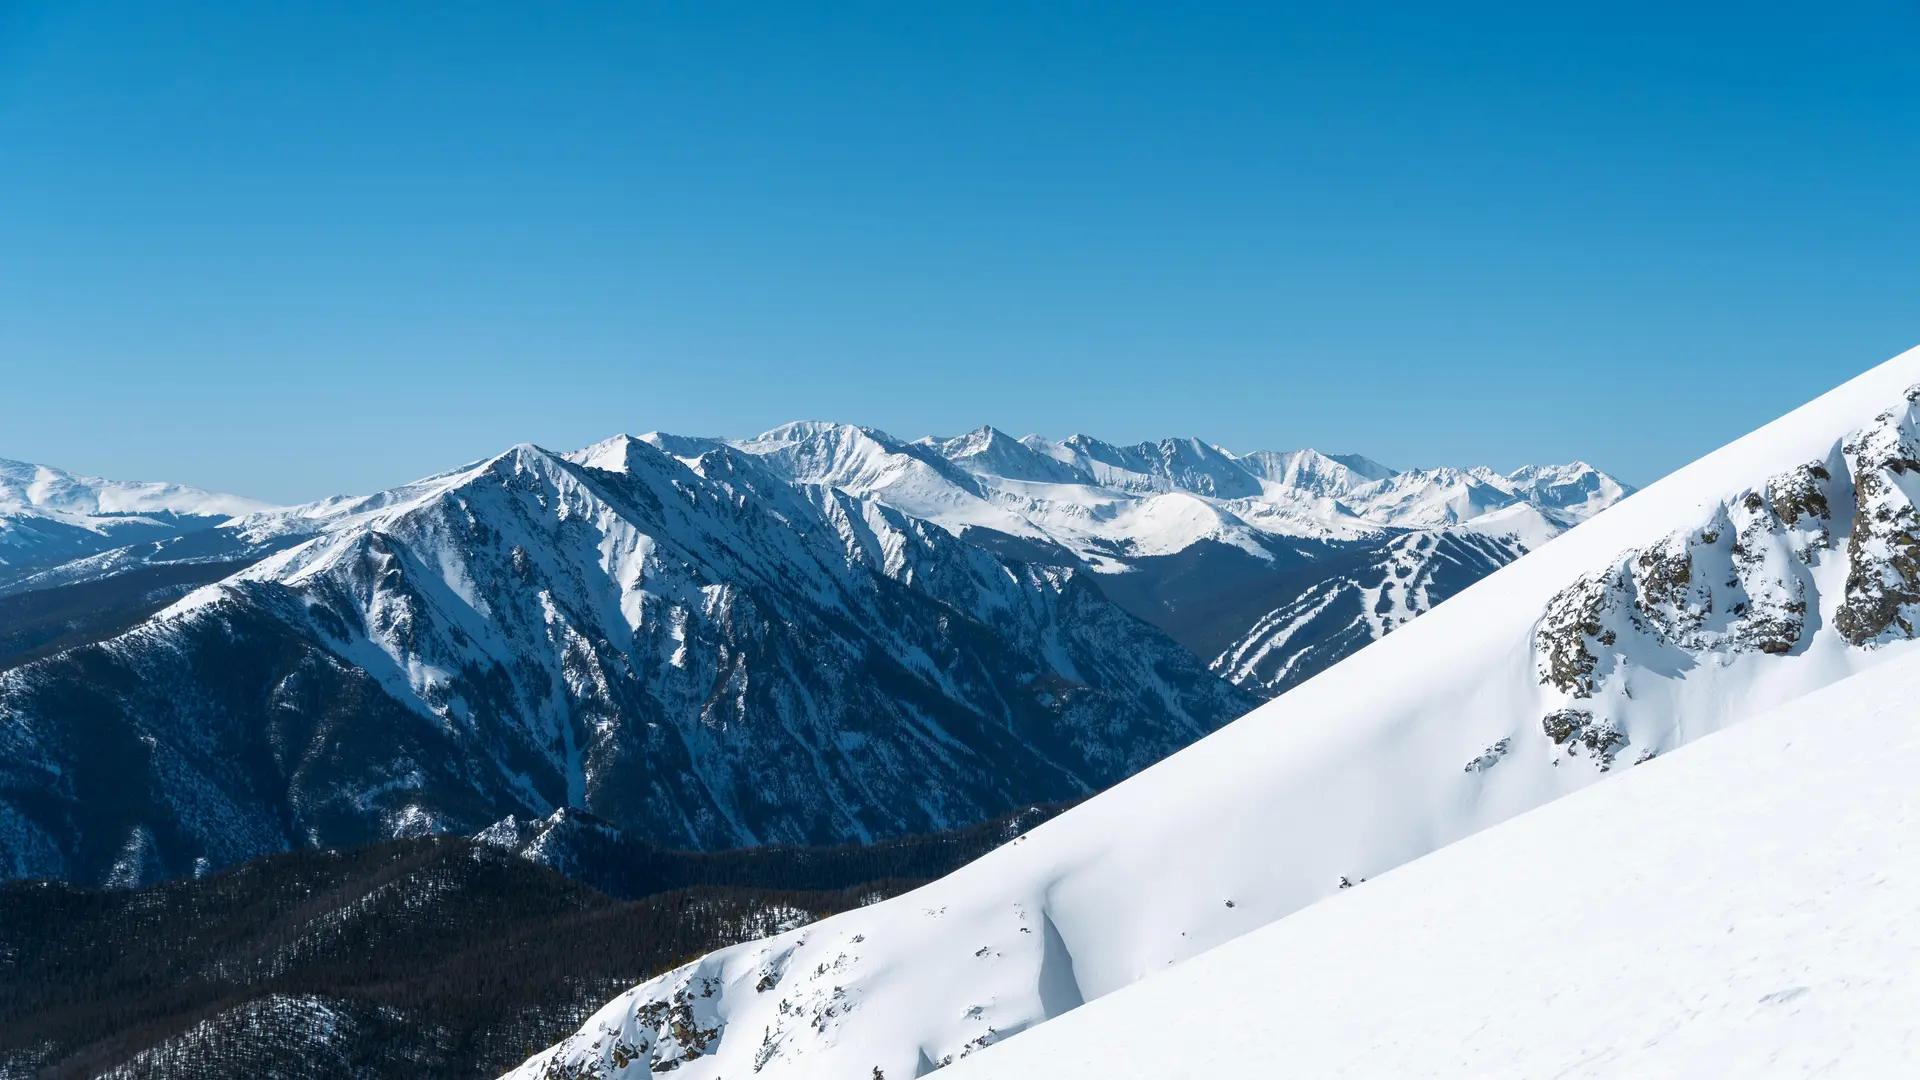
(1575, 728)
(1744, 582)
(1883, 546)
(1490, 756)
(1738, 584)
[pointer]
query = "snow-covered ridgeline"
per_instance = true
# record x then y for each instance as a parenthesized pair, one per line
(56, 491)
(704, 652)
(1101, 500)
(50, 516)
(1780, 564)
(821, 634)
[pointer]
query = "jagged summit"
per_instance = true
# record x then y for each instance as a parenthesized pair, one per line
(1315, 473)
(991, 452)
(701, 650)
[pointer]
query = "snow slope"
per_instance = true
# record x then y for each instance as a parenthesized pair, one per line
(1742, 908)
(1778, 565)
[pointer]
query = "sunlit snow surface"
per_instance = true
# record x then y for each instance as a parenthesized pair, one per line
(49, 516)
(56, 491)
(1742, 908)
(1454, 723)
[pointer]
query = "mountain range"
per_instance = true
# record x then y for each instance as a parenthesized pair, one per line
(1777, 566)
(821, 634)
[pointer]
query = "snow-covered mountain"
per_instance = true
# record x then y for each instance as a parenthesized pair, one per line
(55, 491)
(1352, 607)
(1271, 565)
(50, 516)
(1778, 565)
(699, 651)
(820, 634)
(1739, 908)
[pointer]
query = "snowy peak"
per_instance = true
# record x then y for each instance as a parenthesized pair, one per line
(852, 458)
(1314, 473)
(987, 451)
(43, 487)
(1425, 498)
(866, 462)
(1184, 464)
(699, 648)
(1576, 488)
(1074, 491)
(50, 517)
(1428, 498)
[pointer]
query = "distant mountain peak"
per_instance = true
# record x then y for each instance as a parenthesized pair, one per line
(46, 488)
(537, 629)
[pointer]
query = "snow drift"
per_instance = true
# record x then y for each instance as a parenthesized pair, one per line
(1741, 908)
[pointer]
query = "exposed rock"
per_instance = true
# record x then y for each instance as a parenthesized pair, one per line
(1603, 739)
(1575, 728)
(1573, 620)
(1801, 493)
(1667, 594)
(1737, 584)
(1883, 579)
(1490, 756)
(1563, 724)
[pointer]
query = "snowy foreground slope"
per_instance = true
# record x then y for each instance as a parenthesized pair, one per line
(1780, 564)
(1743, 908)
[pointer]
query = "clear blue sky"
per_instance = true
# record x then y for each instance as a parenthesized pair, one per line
(292, 249)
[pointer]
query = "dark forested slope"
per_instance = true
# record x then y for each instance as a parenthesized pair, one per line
(436, 956)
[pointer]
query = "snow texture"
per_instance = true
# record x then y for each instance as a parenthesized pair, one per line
(1740, 908)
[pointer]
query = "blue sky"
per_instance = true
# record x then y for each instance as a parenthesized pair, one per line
(304, 248)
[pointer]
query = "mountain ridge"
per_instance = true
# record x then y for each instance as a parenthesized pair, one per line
(817, 635)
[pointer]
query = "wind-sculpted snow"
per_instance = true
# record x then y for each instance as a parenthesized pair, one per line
(1744, 909)
(1712, 595)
